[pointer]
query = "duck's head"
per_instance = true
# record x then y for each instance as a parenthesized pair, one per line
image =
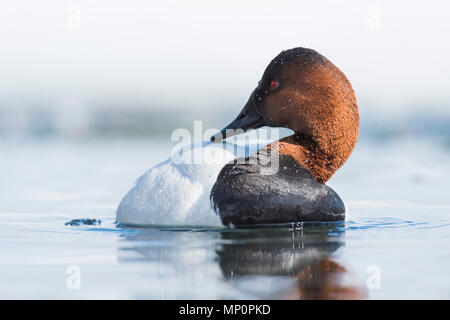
(303, 91)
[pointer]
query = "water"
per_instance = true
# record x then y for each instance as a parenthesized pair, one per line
(398, 233)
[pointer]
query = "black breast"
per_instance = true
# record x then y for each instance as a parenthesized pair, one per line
(244, 196)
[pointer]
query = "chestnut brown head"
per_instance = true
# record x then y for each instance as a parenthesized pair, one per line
(303, 91)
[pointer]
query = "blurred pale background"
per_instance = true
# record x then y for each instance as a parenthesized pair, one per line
(84, 67)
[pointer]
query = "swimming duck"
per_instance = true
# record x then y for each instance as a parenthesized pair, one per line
(300, 90)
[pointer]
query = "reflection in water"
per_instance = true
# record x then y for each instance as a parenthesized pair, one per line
(275, 251)
(303, 252)
(298, 258)
(325, 279)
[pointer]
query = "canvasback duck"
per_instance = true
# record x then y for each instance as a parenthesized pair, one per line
(303, 91)
(300, 90)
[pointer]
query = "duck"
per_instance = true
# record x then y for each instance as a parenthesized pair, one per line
(281, 182)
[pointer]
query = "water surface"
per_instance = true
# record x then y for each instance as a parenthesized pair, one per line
(399, 230)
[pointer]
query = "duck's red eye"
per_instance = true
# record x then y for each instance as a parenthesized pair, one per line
(273, 84)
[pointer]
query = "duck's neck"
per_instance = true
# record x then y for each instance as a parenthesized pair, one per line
(320, 157)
